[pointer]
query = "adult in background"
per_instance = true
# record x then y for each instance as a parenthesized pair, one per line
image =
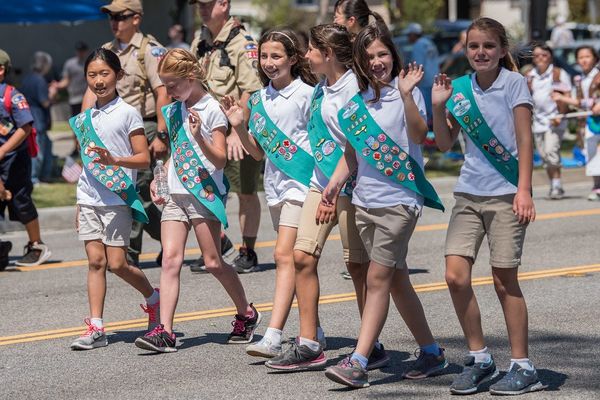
(561, 35)
(39, 95)
(229, 56)
(73, 79)
(141, 88)
(177, 38)
(426, 54)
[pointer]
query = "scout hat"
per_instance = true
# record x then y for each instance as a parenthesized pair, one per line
(4, 59)
(118, 6)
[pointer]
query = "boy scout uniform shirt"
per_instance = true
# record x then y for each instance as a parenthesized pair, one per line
(130, 87)
(240, 74)
(19, 116)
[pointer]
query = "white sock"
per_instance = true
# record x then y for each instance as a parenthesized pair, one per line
(522, 362)
(154, 298)
(481, 356)
(311, 344)
(97, 322)
(320, 333)
(556, 183)
(274, 335)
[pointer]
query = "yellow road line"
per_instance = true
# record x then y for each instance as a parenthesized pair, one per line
(271, 243)
(327, 299)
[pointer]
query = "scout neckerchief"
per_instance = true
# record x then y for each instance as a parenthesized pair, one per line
(324, 148)
(281, 150)
(189, 167)
(111, 176)
(463, 107)
(382, 153)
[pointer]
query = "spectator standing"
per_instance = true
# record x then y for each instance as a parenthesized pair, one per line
(561, 35)
(177, 37)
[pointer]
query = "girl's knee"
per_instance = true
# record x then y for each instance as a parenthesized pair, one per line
(282, 257)
(171, 264)
(97, 263)
(457, 281)
(213, 265)
(303, 261)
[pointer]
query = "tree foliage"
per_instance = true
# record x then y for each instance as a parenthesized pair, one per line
(282, 12)
(422, 11)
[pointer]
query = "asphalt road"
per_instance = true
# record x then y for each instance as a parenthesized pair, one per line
(41, 311)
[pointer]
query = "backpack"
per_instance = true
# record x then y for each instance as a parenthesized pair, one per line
(32, 146)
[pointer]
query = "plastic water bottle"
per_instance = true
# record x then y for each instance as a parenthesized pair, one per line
(160, 178)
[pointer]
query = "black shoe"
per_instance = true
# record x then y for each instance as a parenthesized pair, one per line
(5, 248)
(244, 327)
(226, 249)
(157, 340)
(246, 261)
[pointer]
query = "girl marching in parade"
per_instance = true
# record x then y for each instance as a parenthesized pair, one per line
(384, 125)
(196, 200)
(113, 146)
(493, 197)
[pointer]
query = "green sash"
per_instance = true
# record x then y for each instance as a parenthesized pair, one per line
(382, 153)
(189, 167)
(111, 176)
(463, 107)
(593, 123)
(281, 150)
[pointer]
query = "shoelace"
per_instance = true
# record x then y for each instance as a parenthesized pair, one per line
(150, 310)
(346, 362)
(239, 325)
(91, 328)
(156, 331)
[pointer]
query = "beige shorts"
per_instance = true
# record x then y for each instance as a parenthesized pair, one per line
(548, 145)
(111, 224)
(474, 216)
(386, 231)
(286, 213)
(312, 237)
(185, 208)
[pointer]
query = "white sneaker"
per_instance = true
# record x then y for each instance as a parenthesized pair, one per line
(35, 253)
(92, 338)
(594, 196)
(264, 348)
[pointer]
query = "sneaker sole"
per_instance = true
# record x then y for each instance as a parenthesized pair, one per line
(89, 346)
(432, 372)
(476, 388)
(531, 388)
(334, 376)
(43, 258)
(257, 352)
(245, 271)
(142, 344)
(308, 366)
(229, 341)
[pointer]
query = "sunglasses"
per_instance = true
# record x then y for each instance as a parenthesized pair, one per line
(120, 17)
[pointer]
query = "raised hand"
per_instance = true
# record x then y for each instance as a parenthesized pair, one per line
(103, 156)
(442, 90)
(233, 111)
(409, 78)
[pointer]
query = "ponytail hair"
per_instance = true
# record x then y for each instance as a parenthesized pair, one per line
(291, 44)
(335, 37)
(359, 9)
(182, 64)
(496, 28)
(364, 76)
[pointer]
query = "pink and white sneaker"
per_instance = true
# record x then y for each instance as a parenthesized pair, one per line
(92, 338)
(153, 311)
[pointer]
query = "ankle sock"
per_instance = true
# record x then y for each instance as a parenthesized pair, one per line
(481, 356)
(556, 183)
(360, 358)
(320, 333)
(432, 348)
(154, 298)
(274, 335)
(97, 322)
(248, 242)
(522, 362)
(311, 344)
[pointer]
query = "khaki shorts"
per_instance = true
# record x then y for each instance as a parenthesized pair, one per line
(386, 231)
(548, 145)
(474, 216)
(286, 213)
(312, 237)
(111, 224)
(184, 208)
(243, 175)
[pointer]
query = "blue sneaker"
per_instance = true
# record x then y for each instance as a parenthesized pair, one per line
(517, 381)
(426, 365)
(379, 358)
(473, 375)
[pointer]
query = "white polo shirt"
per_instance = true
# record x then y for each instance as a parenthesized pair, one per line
(373, 189)
(586, 82)
(334, 98)
(477, 175)
(543, 105)
(289, 109)
(211, 118)
(113, 124)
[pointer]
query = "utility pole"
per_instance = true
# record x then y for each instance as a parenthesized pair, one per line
(323, 8)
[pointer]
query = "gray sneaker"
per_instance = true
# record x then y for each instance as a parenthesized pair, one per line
(517, 381)
(350, 373)
(378, 358)
(296, 358)
(473, 375)
(556, 193)
(92, 338)
(427, 365)
(35, 253)
(264, 348)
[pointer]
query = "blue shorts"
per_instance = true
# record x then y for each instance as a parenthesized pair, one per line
(15, 172)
